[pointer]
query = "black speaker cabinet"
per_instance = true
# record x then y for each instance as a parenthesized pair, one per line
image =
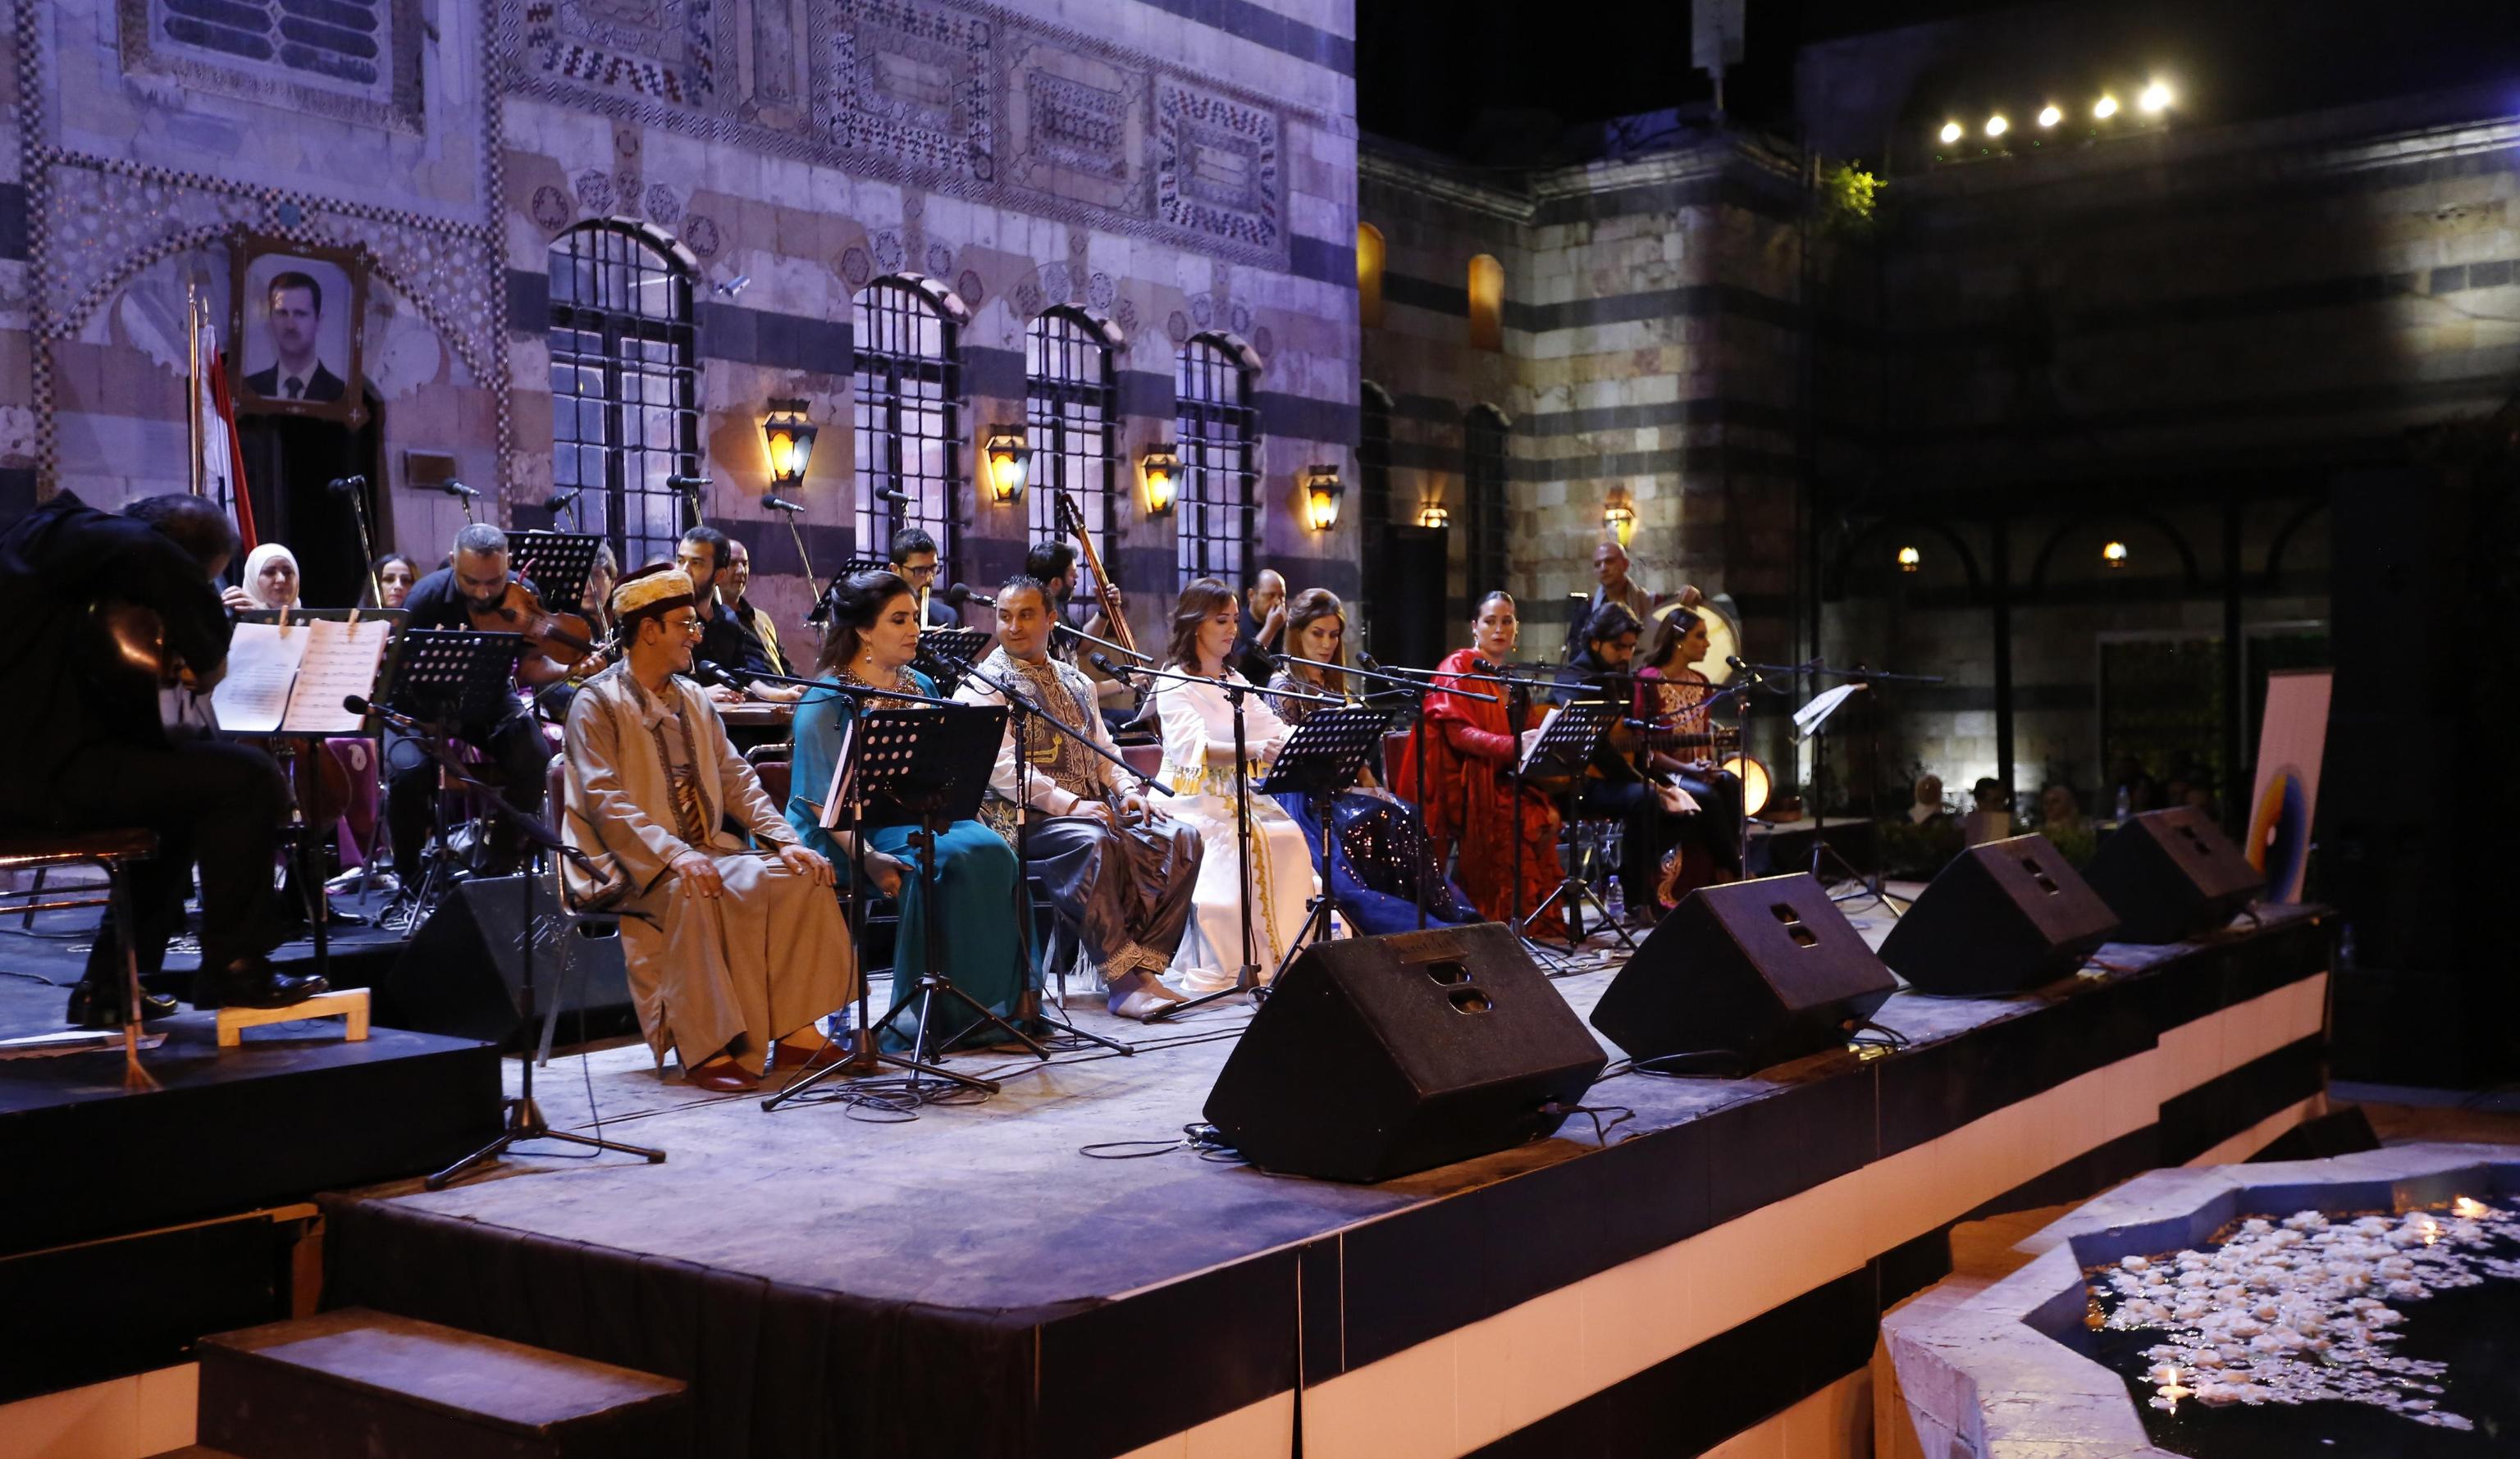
(1768, 969)
(2004, 916)
(2171, 875)
(462, 971)
(1377, 1056)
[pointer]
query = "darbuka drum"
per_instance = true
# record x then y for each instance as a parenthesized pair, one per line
(1753, 777)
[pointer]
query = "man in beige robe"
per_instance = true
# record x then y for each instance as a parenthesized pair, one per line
(731, 950)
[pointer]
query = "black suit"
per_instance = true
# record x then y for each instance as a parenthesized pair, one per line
(514, 742)
(84, 753)
(323, 386)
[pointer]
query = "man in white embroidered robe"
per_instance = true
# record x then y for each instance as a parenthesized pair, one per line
(730, 950)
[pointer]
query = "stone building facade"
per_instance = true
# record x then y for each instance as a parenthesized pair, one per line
(2175, 341)
(597, 240)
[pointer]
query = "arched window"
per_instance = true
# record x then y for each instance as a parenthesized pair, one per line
(1369, 276)
(1212, 410)
(625, 390)
(908, 443)
(1487, 303)
(1484, 498)
(1069, 400)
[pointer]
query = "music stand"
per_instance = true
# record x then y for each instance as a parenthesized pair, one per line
(1320, 760)
(933, 762)
(1567, 747)
(1807, 723)
(557, 564)
(821, 613)
(454, 674)
(945, 655)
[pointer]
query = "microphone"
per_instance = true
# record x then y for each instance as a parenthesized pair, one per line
(360, 707)
(961, 593)
(708, 673)
(1102, 661)
(893, 495)
(346, 485)
(457, 489)
(781, 504)
(558, 501)
(686, 483)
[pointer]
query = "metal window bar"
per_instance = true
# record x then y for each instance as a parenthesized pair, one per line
(1215, 513)
(625, 387)
(1070, 399)
(1483, 488)
(909, 435)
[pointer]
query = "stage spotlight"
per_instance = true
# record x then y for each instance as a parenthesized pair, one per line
(2114, 555)
(2105, 108)
(1996, 124)
(2155, 99)
(1910, 559)
(1951, 132)
(2048, 117)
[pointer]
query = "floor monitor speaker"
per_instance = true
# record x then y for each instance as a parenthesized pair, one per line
(1377, 1056)
(461, 972)
(1768, 970)
(2003, 916)
(2171, 875)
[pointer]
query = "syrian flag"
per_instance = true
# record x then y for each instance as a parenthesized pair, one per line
(220, 472)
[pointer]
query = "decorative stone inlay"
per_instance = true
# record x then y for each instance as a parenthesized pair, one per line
(550, 208)
(1216, 166)
(911, 83)
(663, 50)
(700, 236)
(354, 61)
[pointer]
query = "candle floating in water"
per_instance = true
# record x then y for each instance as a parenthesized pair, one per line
(2467, 1209)
(2171, 1392)
(2431, 1230)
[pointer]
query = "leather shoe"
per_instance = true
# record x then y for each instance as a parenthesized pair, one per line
(791, 1056)
(722, 1075)
(253, 983)
(95, 1010)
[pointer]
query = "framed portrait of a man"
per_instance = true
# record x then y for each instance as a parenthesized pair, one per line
(295, 335)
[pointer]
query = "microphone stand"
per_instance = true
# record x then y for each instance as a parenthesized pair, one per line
(1246, 979)
(1025, 711)
(1873, 882)
(806, 562)
(1105, 644)
(1428, 868)
(525, 1120)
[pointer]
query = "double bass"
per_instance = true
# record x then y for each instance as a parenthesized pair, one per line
(1071, 522)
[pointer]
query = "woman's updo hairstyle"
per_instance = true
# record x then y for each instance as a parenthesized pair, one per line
(856, 602)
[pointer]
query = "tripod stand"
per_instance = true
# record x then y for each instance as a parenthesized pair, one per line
(525, 1120)
(1808, 722)
(1567, 745)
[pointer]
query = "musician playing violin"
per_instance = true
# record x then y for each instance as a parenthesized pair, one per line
(479, 589)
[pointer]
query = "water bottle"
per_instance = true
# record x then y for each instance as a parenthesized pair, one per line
(1617, 902)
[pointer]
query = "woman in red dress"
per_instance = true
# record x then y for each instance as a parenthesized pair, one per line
(1472, 745)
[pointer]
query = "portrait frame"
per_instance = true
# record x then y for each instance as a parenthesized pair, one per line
(334, 387)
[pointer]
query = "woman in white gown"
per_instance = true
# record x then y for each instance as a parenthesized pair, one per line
(1199, 764)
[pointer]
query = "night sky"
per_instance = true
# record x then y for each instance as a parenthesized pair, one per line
(1492, 81)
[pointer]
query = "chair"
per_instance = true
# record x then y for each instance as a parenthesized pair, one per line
(581, 921)
(109, 852)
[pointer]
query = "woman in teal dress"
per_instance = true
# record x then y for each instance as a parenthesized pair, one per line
(874, 635)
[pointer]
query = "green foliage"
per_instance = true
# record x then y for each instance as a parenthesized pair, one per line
(1849, 197)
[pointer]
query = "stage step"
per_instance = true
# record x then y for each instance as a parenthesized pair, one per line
(382, 1387)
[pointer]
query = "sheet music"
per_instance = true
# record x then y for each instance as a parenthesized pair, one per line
(835, 801)
(1531, 751)
(262, 665)
(1807, 718)
(341, 659)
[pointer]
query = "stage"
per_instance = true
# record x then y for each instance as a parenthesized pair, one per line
(973, 1283)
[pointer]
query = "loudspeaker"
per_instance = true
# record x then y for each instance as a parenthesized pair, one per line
(1768, 969)
(1377, 1056)
(2171, 875)
(2007, 915)
(462, 971)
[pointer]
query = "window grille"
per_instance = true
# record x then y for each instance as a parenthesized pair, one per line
(909, 439)
(1069, 402)
(1216, 517)
(625, 389)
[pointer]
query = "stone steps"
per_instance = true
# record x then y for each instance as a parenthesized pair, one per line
(382, 1387)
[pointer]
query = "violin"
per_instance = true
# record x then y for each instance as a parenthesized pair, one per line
(564, 639)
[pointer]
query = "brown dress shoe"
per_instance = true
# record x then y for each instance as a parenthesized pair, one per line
(793, 1056)
(722, 1075)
